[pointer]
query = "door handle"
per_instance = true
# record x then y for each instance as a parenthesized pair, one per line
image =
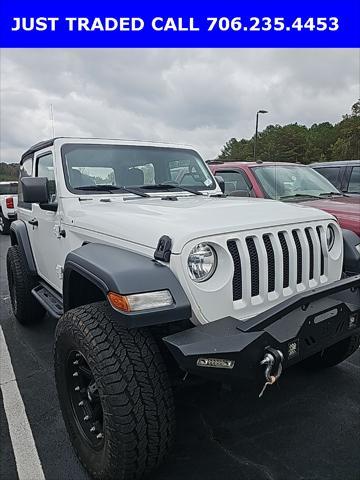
(33, 222)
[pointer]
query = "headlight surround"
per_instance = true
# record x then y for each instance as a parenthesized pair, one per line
(330, 237)
(202, 262)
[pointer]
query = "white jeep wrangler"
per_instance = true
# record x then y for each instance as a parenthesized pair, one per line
(151, 271)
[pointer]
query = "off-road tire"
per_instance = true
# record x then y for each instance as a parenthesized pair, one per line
(4, 224)
(133, 387)
(26, 308)
(333, 355)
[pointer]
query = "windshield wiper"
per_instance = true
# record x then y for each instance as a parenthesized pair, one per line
(338, 194)
(299, 195)
(111, 189)
(158, 186)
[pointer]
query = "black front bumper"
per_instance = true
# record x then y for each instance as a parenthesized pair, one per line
(299, 327)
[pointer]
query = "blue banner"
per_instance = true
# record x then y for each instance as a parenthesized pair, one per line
(225, 23)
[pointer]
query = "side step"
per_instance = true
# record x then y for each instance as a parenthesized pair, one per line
(49, 299)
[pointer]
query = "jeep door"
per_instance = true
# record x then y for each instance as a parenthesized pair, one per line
(44, 225)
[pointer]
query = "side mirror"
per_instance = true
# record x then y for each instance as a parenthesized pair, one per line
(220, 182)
(35, 189)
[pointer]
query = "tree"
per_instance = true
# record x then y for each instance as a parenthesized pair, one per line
(9, 171)
(347, 145)
(298, 143)
(229, 149)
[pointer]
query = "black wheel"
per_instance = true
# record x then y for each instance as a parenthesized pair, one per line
(25, 307)
(114, 394)
(333, 355)
(4, 225)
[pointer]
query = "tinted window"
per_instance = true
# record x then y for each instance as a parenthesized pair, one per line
(8, 188)
(331, 173)
(234, 182)
(354, 183)
(45, 168)
(25, 171)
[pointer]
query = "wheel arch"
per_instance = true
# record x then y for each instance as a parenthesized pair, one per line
(19, 236)
(81, 290)
(93, 270)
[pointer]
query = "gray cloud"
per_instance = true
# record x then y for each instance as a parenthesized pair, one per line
(202, 97)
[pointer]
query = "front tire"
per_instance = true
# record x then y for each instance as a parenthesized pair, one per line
(333, 355)
(114, 394)
(4, 225)
(26, 308)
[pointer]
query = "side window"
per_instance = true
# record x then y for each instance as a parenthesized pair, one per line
(235, 182)
(354, 182)
(25, 171)
(332, 174)
(45, 168)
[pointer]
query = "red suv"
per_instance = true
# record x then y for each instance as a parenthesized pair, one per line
(289, 182)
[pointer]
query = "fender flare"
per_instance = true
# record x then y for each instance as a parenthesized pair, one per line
(19, 236)
(113, 269)
(351, 254)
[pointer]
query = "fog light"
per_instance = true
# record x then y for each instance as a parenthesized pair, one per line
(293, 348)
(140, 301)
(215, 363)
(352, 321)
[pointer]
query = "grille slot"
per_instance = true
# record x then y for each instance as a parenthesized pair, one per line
(286, 258)
(299, 256)
(254, 265)
(311, 253)
(271, 263)
(237, 278)
(322, 259)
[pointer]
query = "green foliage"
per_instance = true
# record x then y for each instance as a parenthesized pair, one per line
(9, 171)
(297, 143)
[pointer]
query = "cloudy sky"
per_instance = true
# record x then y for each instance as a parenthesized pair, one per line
(199, 97)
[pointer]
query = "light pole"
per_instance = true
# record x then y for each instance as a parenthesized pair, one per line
(256, 130)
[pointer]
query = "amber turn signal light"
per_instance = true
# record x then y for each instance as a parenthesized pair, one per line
(119, 302)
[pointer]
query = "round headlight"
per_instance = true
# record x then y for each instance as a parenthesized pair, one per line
(202, 262)
(330, 237)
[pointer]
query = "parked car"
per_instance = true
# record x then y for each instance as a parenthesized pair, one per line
(289, 182)
(150, 278)
(8, 204)
(344, 175)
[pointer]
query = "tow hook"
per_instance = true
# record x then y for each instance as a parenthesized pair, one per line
(273, 360)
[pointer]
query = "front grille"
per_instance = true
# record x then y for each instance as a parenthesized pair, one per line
(299, 259)
(254, 266)
(285, 252)
(273, 262)
(237, 280)
(322, 259)
(311, 256)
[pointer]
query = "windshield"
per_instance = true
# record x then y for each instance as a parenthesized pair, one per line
(286, 181)
(118, 166)
(8, 188)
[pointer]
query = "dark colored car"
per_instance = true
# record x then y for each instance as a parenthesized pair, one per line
(289, 182)
(344, 175)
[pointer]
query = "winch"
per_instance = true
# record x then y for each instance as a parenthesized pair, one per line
(273, 360)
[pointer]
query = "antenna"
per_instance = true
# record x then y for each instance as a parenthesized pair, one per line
(52, 119)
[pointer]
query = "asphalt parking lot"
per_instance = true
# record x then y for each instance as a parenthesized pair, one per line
(306, 428)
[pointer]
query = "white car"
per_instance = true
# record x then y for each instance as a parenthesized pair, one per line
(8, 204)
(151, 276)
